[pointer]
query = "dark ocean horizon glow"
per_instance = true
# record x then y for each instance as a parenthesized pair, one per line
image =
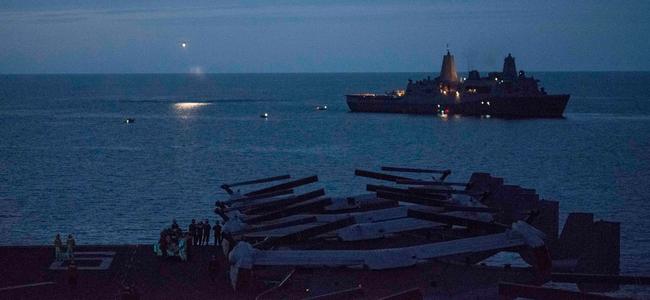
(69, 164)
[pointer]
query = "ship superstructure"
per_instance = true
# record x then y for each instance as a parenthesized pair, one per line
(503, 94)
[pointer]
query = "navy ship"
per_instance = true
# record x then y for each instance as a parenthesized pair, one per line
(508, 94)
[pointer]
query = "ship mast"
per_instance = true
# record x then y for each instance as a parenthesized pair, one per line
(509, 71)
(448, 71)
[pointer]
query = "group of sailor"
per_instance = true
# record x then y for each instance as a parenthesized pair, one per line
(58, 248)
(174, 242)
(200, 232)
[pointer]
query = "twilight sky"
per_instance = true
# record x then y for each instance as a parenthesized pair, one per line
(85, 36)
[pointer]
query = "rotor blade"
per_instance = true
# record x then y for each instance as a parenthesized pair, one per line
(261, 196)
(424, 182)
(309, 206)
(437, 191)
(376, 188)
(305, 234)
(380, 176)
(410, 198)
(284, 186)
(300, 221)
(263, 180)
(280, 203)
(600, 278)
(453, 220)
(414, 170)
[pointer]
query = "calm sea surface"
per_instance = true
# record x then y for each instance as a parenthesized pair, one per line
(69, 164)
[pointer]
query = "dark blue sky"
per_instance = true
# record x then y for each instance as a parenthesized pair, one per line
(320, 36)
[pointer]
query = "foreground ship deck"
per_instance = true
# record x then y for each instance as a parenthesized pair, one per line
(27, 274)
(31, 273)
(410, 238)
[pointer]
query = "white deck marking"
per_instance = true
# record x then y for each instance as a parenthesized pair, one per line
(103, 253)
(26, 285)
(106, 259)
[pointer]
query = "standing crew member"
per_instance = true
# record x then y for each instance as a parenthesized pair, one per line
(196, 233)
(72, 274)
(206, 232)
(70, 243)
(213, 268)
(191, 232)
(217, 234)
(188, 246)
(58, 244)
(163, 243)
(199, 233)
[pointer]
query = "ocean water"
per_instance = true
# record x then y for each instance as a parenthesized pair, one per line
(69, 164)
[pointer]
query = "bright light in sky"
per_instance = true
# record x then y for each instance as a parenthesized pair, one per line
(183, 44)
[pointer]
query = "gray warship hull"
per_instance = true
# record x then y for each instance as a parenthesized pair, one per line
(541, 106)
(506, 94)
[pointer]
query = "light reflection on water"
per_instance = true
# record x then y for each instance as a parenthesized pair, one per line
(185, 106)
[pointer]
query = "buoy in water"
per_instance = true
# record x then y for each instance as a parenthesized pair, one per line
(323, 107)
(264, 116)
(129, 120)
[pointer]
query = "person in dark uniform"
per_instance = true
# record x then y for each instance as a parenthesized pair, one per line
(72, 274)
(228, 237)
(213, 268)
(163, 244)
(217, 233)
(206, 232)
(70, 244)
(188, 246)
(129, 292)
(199, 233)
(191, 231)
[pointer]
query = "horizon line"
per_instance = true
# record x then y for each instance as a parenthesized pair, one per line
(324, 72)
